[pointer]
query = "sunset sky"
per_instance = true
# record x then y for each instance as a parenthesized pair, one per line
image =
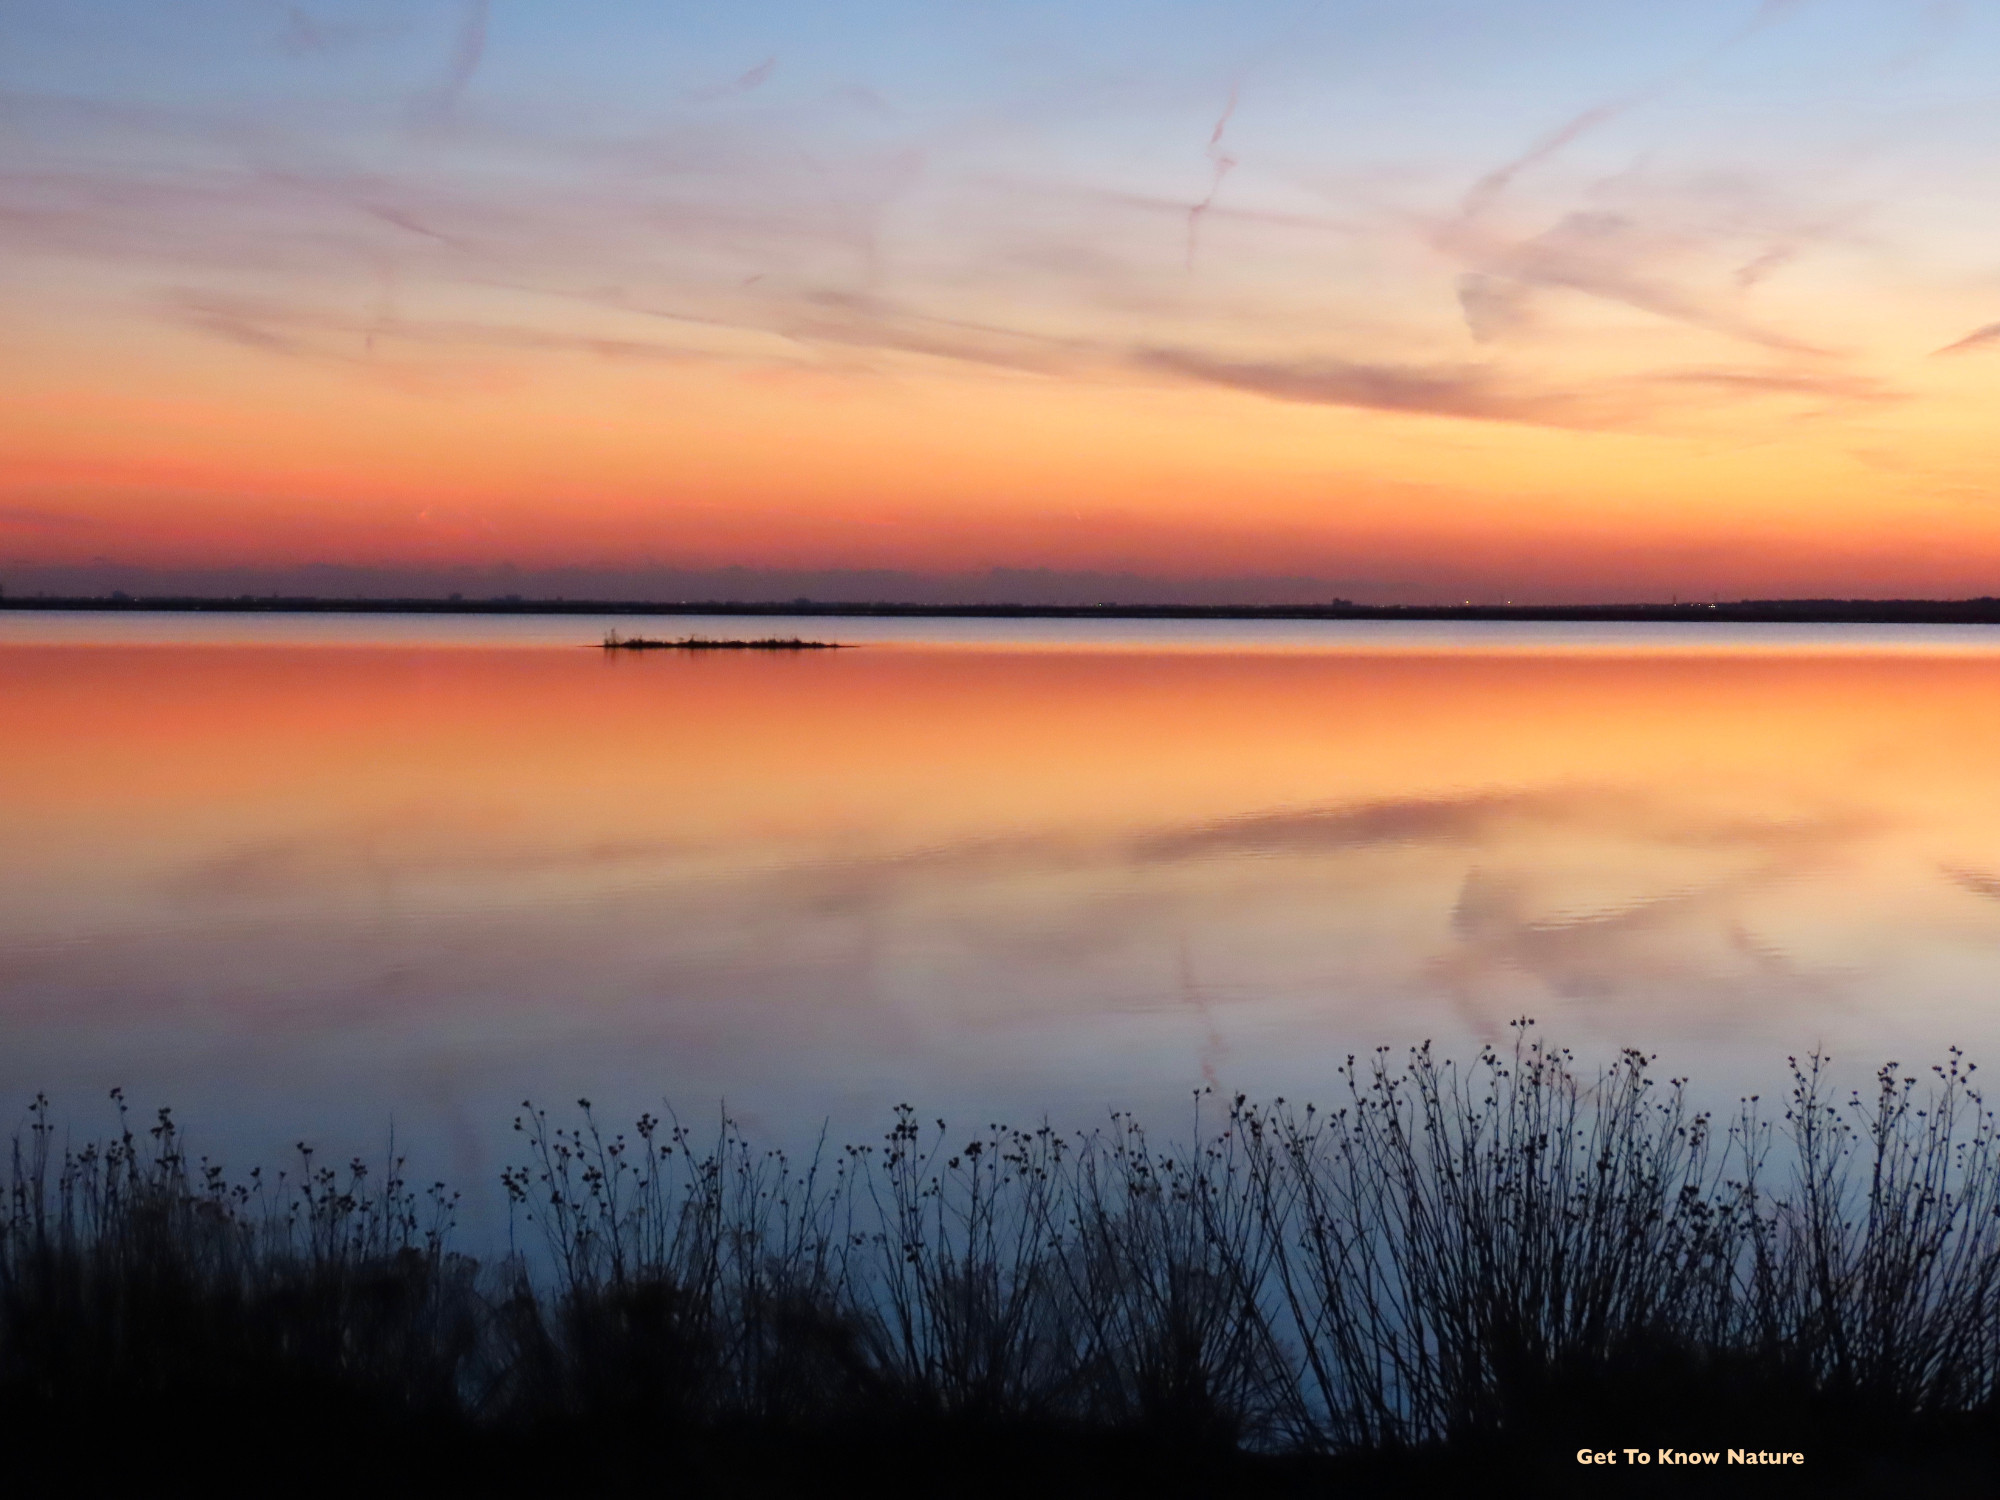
(1400, 301)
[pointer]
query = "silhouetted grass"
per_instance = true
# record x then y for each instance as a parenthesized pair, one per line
(1451, 1268)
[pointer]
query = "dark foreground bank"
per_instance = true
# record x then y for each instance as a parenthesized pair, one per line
(1498, 1275)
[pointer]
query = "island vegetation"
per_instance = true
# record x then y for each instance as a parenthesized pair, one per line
(613, 641)
(1452, 1274)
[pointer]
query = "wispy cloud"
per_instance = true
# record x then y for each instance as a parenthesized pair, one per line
(1492, 393)
(1484, 871)
(1485, 818)
(1979, 882)
(1410, 820)
(308, 33)
(818, 233)
(1690, 947)
(468, 48)
(1611, 254)
(42, 520)
(1486, 193)
(1220, 164)
(1979, 338)
(1827, 385)
(754, 78)
(312, 333)
(1635, 244)
(1439, 390)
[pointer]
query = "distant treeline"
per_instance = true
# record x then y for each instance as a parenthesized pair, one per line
(1451, 1276)
(1980, 611)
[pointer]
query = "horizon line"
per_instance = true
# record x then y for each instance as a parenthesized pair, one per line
(1982, 609)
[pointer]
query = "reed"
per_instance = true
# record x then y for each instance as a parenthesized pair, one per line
(1450, 1261)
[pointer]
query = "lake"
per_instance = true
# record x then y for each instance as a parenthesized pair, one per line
(309, 876)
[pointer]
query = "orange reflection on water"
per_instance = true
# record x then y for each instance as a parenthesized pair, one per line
(919, 861)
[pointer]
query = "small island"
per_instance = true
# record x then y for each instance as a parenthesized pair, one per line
(613, 641)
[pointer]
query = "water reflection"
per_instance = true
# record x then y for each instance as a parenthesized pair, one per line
(300, 884)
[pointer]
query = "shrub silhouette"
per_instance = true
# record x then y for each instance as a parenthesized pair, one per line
(1450, 1263)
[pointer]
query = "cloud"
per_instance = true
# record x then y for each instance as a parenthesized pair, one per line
(367, 855)
(1979, 338)
(1765, 264)
(306, 33)
(1220, 164)
(468, 48)
(1062, 922)
(1617, 257)
(1069, 196)
(1485, 393)
(753, 79)
(1484, 818)
(1635, 252)
(1830, 385)
(801, 234)
(870, 322)
(1467, 391)
(1494, 307)
(1689, 947)
(1326, 830)
(1977, 882)
(684, 206)
(236, 322)
(1489, 189)
(41, 520)
(299, 331)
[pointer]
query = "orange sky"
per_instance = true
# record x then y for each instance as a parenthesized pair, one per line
(1538, 338)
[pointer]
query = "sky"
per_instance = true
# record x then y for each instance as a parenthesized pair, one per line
(1390, 300)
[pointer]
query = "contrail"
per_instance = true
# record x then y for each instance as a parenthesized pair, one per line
(743, 85)
(1490, 187)
(1483, 192)
(471, 47)
(1222, 163)
(757, 75)
(434, 105)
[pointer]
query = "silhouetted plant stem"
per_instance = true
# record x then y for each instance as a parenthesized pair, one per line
(1450, 1256)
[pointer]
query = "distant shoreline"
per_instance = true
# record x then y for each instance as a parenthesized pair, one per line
(1981, 611)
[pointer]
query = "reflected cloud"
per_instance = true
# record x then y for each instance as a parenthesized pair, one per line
(1485, 817)
(1690, 949)
(930, 867)
(1047, 918)
(909, 845)
(1977, 882)
(410, 847)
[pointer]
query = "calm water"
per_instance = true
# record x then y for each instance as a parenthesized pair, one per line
(302, 876)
